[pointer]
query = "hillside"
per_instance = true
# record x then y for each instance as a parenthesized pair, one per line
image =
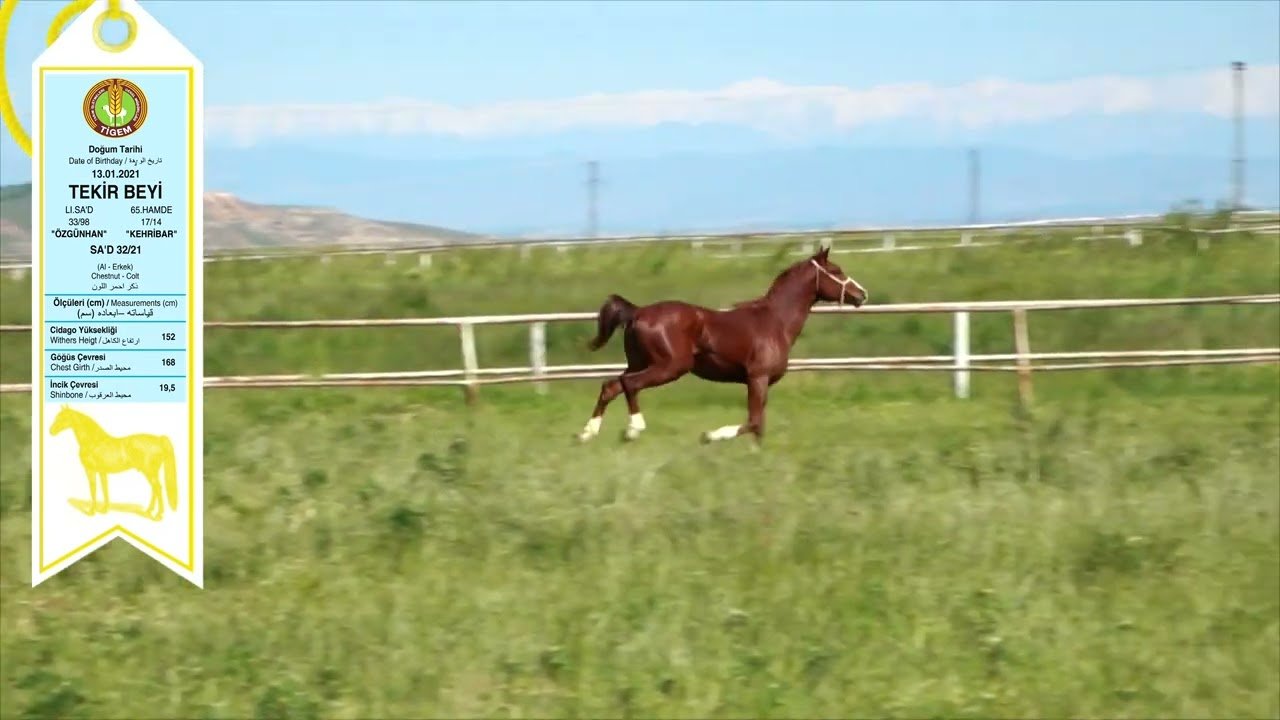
(232, 224)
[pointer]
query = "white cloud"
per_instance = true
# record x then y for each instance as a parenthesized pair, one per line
(766, 105)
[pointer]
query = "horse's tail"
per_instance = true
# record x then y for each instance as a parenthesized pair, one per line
(170, 468)
(616, 311)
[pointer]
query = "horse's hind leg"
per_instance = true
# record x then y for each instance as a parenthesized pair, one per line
(652, 376)
(155, 508)
(611, 389)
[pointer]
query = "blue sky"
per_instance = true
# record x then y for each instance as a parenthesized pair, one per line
(460, 69)
(263, 52)
(482, 51)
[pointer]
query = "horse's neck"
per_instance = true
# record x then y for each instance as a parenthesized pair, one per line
(791, 300)
(86, 429)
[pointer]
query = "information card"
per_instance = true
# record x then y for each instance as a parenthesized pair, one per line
(116, 293)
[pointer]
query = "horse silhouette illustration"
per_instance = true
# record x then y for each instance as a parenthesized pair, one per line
(103, 454)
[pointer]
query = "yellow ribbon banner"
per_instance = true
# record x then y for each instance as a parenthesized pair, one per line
(117, 176)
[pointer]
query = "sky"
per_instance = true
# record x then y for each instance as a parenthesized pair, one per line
(329, 70)
(488, 67)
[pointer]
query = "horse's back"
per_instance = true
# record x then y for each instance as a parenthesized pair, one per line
(701, 329)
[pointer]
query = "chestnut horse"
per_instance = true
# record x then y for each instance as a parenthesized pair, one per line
(747, 344)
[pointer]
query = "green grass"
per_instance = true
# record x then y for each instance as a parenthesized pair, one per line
(890, 551)
(391, 554)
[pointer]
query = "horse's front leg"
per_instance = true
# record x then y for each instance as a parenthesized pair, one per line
(106, 499)
(93, 490)
(757, 397)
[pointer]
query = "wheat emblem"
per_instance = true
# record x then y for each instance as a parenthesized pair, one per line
(115, 101)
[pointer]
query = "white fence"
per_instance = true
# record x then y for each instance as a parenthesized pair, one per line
(961, 362)
(870, 239)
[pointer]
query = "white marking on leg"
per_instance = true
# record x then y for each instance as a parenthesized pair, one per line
(723, 433)
(635, 426)
(592, 429)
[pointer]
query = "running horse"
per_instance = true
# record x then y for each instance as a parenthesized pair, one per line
(747, 344)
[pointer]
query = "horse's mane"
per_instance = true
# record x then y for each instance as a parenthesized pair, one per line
(778, 281)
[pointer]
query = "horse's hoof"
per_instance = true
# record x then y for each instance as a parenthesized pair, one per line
(630, 434)
(706, 437)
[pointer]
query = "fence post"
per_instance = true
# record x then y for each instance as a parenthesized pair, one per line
(1133, 236)
(888, 241)
(424, 260)
(960, 347)
(467, 333)
(966, 238)
(538, 354)
(1022, 346)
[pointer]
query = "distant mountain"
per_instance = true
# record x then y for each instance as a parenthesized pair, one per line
(234, 224)
(778, 187)
(675, 177)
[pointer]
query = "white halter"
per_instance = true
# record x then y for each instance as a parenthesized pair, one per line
(844, 284)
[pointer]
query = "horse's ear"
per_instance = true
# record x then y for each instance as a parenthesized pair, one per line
(822, 254)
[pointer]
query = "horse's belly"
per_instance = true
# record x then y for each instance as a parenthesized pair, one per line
(715, 368)
(106, 462)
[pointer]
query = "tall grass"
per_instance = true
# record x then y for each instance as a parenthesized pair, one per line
(890, 551)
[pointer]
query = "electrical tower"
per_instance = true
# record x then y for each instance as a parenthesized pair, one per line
(593, 192)
(1237, 161)
(974, 178)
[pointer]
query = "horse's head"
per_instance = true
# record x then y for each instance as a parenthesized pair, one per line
(832, 284)
(62, 421)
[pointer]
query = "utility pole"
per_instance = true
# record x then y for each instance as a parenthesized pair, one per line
(593, 189)
(1237, 162)
(973, 186)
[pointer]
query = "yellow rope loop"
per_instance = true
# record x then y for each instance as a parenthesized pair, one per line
(60, 21)
(64, 16)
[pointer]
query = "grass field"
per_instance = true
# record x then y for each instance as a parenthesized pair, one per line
(891, 551)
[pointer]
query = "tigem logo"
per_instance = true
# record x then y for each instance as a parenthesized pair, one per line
(115, 108)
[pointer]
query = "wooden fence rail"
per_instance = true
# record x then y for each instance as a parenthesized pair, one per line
(961, 362)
